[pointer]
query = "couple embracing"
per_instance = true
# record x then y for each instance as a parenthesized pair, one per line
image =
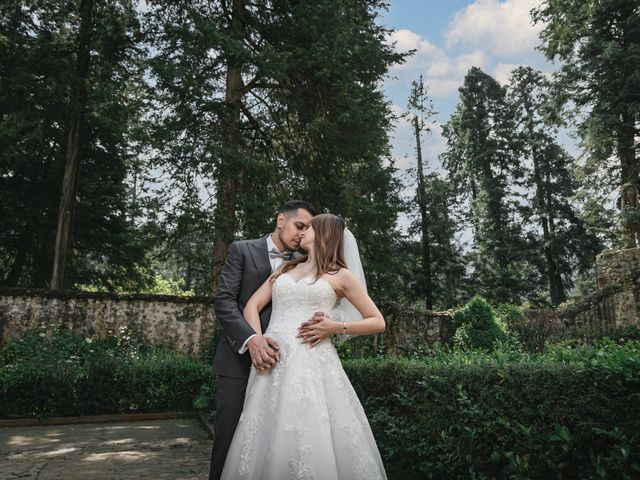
(285, 407)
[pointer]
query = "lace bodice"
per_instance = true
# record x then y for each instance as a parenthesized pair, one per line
(294, 302)
(302, 420)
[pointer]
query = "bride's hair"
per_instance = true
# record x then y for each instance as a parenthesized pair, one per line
(328, 244)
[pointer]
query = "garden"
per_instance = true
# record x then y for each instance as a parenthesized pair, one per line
(487, 404)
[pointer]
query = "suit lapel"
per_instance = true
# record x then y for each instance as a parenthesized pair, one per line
(260, 257)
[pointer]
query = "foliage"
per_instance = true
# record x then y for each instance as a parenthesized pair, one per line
(309, 119)
(37, 76)
(482, 162)
(558, 232)
(568, 414)
(598, 45)
(55, 372)
(476, 326)
(154, 284)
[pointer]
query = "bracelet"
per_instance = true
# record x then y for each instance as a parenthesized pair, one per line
(344, 327)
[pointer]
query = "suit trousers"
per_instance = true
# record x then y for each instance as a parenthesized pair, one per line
(229, 401)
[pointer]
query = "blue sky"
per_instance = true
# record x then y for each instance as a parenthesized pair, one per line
(451, 36)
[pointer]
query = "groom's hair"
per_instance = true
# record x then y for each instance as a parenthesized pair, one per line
(292, 206)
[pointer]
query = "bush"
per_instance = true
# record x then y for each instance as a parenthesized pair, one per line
(71, 375)
(572, 413)
(476, 326)
(567, 413)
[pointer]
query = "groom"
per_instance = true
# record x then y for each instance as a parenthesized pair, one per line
(248, 264)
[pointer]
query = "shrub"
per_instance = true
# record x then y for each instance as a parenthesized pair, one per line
(476, 326)
(70, 375)
(571, 413)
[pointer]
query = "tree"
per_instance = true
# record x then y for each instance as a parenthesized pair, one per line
(273, 101)
(565, 242)
(75, 144)
(482, 162)
(36, 73)
(421, 109)
(336, 118)
(598, 43)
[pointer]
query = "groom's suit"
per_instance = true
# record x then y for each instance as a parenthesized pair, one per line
(246, 267)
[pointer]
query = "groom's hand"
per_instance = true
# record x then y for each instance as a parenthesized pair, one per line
(264, 352)
(319, 327)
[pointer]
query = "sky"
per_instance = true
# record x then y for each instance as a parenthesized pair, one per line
(451, 36)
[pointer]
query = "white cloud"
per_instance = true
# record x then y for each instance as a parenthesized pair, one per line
(505, 27)
(467, 60)
(442, 73)
(502, 72)
(443, 87)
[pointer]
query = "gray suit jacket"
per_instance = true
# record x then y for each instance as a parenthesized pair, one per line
(246, 267)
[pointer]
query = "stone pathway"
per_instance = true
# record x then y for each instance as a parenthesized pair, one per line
(176, 449)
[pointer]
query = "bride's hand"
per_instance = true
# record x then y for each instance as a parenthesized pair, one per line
(317, 329)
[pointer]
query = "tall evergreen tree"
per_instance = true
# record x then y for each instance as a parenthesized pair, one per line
(308, 116)
(337, 102)
(482, 159)
(75, 145)
(421, 111)
(37, 71)
(598, 43)
(448, 281)
(564, 241)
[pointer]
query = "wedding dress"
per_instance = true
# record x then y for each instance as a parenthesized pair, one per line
(302, 420)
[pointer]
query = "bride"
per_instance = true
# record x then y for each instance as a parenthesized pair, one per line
(302, 419)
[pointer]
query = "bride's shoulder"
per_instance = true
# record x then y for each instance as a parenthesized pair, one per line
(344, 274)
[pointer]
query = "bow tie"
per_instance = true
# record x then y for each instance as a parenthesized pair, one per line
(286, 255)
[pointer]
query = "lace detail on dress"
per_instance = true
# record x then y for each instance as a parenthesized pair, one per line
(251, 424)
(302, 420)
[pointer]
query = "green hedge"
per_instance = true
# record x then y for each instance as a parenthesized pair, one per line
(104, 384)
(572, 414)
(567, 413)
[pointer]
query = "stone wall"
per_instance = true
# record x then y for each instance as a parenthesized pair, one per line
(615, 304)
(593, 314)
(621, 269)
(187, 323)
(183, 323)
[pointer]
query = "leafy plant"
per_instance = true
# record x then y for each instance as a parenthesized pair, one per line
(477, 326)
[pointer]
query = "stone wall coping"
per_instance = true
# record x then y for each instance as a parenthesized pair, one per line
(387, 307)
(71, 294)
(395, 308)
(579, 305)
(620, 252)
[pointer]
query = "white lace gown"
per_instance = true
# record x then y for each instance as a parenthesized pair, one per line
(302, 420)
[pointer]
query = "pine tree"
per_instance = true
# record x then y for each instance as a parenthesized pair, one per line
(37, 71)
(598, 43)
(482, 160)
(307, 119)
(420, 111)
(564, 241)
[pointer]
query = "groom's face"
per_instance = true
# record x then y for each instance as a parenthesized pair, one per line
(292, 226)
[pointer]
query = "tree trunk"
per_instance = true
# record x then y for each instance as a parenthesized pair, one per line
(552, 233)
(74, 149)
(630, 184)
(21, 255)
(556, 288)
(422, 203)
(450, 290)
(543, 196)
(229, 170)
